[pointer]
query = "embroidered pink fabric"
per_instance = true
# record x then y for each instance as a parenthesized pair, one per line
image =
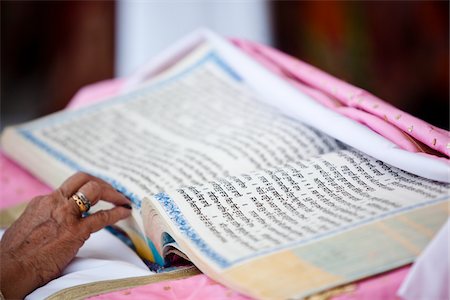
(355, 103)
(17, 185)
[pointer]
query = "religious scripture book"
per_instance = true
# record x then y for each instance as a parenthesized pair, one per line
(228, 167)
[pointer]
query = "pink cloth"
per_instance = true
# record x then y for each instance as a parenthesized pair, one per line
(96, 92)
(17, 185)
(196, 287)
(399, 127)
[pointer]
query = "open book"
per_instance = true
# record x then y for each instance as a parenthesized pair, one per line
(226, 166)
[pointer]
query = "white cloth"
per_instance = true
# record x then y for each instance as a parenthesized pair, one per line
(429, 276)
(102, 257)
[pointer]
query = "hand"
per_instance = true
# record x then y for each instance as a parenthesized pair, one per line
(47, 236)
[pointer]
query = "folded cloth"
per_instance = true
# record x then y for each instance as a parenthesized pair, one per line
(408, 132)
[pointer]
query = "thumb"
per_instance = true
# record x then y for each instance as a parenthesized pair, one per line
(103, 218)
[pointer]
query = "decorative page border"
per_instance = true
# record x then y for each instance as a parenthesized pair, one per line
(183, 225)
(73, 165)
(178, 218)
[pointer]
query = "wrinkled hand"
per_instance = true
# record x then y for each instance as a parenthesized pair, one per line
(47, 236)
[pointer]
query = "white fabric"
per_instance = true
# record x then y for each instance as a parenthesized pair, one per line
(429, 276)
(102, 257)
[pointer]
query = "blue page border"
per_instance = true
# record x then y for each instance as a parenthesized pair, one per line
(178, 218)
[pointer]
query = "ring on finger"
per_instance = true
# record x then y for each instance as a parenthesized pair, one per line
(82, 201)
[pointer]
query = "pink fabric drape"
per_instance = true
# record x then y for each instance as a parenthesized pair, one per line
(408, 132)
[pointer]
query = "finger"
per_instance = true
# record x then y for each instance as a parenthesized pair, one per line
(95, 191)
(109, 194)
(76, 181)
(92, 191)
(103, 218)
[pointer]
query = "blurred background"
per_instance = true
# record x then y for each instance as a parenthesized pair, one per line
(397, 50)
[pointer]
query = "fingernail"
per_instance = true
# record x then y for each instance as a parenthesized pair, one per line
(126, 206)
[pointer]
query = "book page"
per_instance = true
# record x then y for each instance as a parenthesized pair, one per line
(238, 218)
(307, 226)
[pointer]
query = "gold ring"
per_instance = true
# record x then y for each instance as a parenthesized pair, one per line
(82, 201)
